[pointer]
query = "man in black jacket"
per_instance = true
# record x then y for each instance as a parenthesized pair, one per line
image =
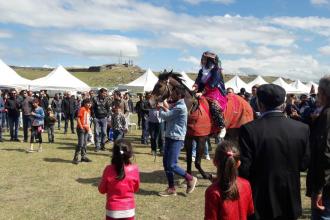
(100, 111)
(13, 106)
(274, 149)
(27, 106)
(318, 177)
(69, 109)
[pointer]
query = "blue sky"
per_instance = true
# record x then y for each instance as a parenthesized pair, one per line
(273, 37)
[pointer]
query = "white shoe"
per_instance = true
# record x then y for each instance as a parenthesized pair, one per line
(193, 159)
(207, 157)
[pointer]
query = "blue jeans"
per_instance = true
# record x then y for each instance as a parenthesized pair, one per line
(322, 215)
(58, 116)
(156, 131)
(13, 127)
(100, 131)
(170, 160)
(194, 145)
(118, 134)
(27, 121)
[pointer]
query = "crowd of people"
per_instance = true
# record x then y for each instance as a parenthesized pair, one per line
(257, 178)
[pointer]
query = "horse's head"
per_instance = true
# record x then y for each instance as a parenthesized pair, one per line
(167, 81)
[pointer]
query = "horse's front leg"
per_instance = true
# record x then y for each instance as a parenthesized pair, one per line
(199, 153)
(188, 146)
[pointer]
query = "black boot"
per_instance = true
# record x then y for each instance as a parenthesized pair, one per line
(85, 159)
(75, 158)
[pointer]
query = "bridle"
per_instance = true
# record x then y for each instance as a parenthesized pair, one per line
(167, 91)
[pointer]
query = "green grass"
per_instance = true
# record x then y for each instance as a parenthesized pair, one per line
(47, 185)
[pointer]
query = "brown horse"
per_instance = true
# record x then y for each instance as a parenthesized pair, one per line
(199, 125)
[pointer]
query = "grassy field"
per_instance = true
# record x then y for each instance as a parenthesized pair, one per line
(113, 77)
(47, 185)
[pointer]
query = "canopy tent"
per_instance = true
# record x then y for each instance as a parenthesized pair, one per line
(288, 88)
(60, 80)
(310, 84)
(257, 81)
(188, 81)
(300, 87)
(10, 79)
(236, 84)
(144, 83)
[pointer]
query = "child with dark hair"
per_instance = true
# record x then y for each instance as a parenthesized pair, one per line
(50, 120)
(229, 197)
(83, 129)
(120, 181)
(118, 123)
(38, 116)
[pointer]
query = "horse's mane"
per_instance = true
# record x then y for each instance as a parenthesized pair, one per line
(177, 76)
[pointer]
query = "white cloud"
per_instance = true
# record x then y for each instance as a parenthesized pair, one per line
(93, 45)
(5, 34)
(319, 2)
(191, 59)
(196, 2)
(325, 50)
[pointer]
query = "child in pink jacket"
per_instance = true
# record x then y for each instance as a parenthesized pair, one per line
(120, 181)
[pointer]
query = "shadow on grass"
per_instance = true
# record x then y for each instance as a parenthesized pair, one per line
(14, 149)
(144, 192)
(57, 160)
(90, 181)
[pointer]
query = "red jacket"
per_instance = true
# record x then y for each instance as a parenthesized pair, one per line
(120, 193)
(216, 208)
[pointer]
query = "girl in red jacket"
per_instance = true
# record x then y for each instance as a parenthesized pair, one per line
(120, 181)
(229, 197)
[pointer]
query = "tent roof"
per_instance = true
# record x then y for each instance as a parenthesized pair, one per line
(309, 85)
(257, 81)
(300, 87)
(288, 88)
(9, 78)
(144, 83)
(236, 84)
(188, 81)
(60, 79)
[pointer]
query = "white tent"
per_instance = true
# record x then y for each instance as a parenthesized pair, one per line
(60, 80)
(236, 84)
(288, 88)
(144, 83)
(309, 85)
(10, 79)
(188, 81)
(257, 81)
(300, 87)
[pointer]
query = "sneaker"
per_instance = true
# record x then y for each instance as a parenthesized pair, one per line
(85, 159)
(168, 192)
(207, 157)
(193, 159)
(96, 150)
(40, 149)
(191, 185)
(153, 153)
(29, 151)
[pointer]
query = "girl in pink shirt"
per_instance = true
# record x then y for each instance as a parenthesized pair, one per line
(229, 197)
(120, 181)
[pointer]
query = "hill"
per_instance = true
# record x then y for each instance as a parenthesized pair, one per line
(111, 77)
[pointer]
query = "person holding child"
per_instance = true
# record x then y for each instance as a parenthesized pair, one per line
(38, 116)
(50, 121)
(83, 129)
(118, 123)
(120, 181)
(230, 196)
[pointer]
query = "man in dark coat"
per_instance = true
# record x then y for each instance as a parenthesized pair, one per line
(318, 177)
(69, 110)
(13, 107)
(274, 149)
(101, 105)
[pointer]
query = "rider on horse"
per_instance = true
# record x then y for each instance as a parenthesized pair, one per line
(210, 84)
